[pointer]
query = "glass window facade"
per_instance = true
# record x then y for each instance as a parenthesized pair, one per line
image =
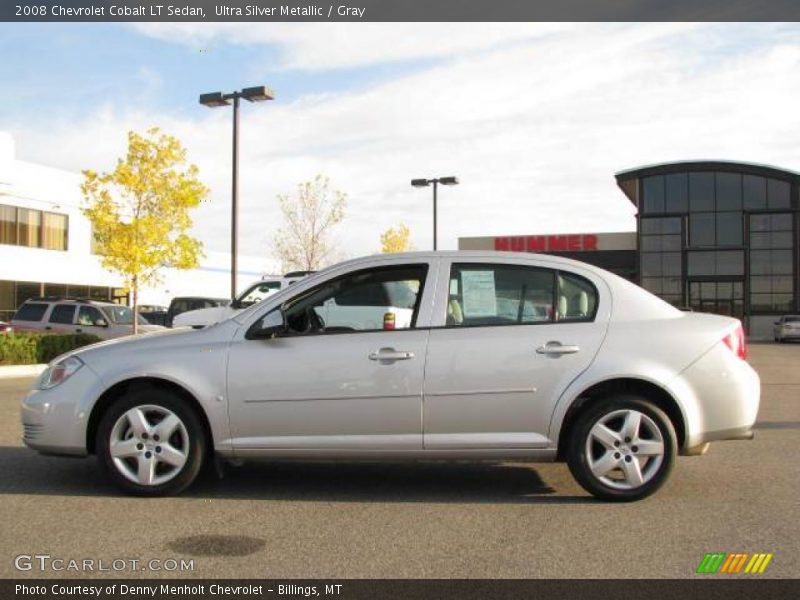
(661, 267)
(720, 240)
(33, 228)
(772, 268)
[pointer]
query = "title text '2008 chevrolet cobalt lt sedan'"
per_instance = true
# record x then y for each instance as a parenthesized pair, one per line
(424, 356)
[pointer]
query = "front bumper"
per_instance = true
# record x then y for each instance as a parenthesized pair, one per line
(54, 421)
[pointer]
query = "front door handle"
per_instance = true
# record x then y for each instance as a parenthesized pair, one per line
(557, 349)
(390, 355)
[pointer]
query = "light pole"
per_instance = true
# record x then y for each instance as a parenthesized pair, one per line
(436, 181)
(215, 100)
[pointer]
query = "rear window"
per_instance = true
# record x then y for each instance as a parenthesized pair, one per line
(31, 312)
(791, 319)
(62, 313)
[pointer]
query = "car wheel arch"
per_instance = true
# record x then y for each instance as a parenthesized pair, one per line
(121, 388)
(621, 385)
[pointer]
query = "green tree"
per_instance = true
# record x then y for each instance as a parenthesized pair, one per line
(140, 211)
(304, 241)
(396, 239)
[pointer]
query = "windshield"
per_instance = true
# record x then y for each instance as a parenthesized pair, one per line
(122, 315)
(256, 293)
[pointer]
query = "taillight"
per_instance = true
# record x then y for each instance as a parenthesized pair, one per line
(736, 342)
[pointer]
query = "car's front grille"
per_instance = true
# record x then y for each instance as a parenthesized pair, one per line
(31, 431)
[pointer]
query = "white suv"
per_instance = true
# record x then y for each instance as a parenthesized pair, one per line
(257, 292)
(106, 320)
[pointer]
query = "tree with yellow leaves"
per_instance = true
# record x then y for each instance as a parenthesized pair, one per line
(140, 211)
(396, 239)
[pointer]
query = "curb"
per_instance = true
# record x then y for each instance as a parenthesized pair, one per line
(13, 371)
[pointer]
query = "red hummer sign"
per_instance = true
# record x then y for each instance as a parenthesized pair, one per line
(579, 242)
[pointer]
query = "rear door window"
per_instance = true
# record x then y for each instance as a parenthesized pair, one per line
(483, 294)
(486, 294)
(62, 313)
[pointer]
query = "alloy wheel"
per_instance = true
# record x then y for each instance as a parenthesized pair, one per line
(149, 445)
(624, 449)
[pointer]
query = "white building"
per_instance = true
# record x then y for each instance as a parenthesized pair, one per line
(46, 245)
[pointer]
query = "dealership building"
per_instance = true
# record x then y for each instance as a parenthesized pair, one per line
(715, 236)
(46, 245)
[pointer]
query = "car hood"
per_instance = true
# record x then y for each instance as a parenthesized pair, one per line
(128, 346)
(204, 316)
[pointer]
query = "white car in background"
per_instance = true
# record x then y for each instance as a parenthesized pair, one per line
(504, 356)
(787, 328)
(258, 291)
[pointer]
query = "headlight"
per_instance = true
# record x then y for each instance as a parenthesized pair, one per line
(59, 372)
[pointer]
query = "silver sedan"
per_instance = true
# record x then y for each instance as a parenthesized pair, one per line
(452, 355)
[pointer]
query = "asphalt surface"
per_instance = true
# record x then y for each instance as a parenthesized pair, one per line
(327, 520)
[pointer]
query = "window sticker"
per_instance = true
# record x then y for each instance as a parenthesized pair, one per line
(479, 296)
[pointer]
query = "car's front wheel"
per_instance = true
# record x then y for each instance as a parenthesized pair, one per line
(151, 443)
(622, 449)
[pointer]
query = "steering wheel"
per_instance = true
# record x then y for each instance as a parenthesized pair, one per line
(313, 321)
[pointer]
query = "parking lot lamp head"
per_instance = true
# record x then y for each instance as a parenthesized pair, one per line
(258, 94)
(214, 100)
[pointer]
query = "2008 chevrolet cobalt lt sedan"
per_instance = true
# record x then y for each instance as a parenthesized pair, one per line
(460, 355)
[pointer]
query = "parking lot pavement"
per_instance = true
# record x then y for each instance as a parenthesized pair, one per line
(331, 520)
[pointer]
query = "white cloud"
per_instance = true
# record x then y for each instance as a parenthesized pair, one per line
(534, 129)
(320, 46)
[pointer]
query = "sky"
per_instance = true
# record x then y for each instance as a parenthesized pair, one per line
(534, 119)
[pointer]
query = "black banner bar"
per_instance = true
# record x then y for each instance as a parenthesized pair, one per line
(743, 587)
(250, 11)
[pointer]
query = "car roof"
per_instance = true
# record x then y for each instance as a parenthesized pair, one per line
(475, 254)
(57, 300)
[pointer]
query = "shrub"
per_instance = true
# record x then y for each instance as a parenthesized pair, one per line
(18, 349)
(21, 348)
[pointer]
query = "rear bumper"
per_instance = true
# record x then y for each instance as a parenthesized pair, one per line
(793, 334)
(720, 396)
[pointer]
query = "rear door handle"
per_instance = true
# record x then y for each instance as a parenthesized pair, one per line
(557, 349)
(390, 355)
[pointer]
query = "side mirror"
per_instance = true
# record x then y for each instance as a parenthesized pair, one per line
(270, 325)
(101, 323)
(777, 323)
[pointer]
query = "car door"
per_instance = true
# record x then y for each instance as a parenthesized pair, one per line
(61, 318)
(91, 320)
(512, 337)
(355, 387)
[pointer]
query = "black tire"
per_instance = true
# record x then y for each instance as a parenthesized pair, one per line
(578, 461)
(197, 441)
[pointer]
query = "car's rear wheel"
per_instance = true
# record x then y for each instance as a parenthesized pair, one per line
(151, 443)
(622, 449)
